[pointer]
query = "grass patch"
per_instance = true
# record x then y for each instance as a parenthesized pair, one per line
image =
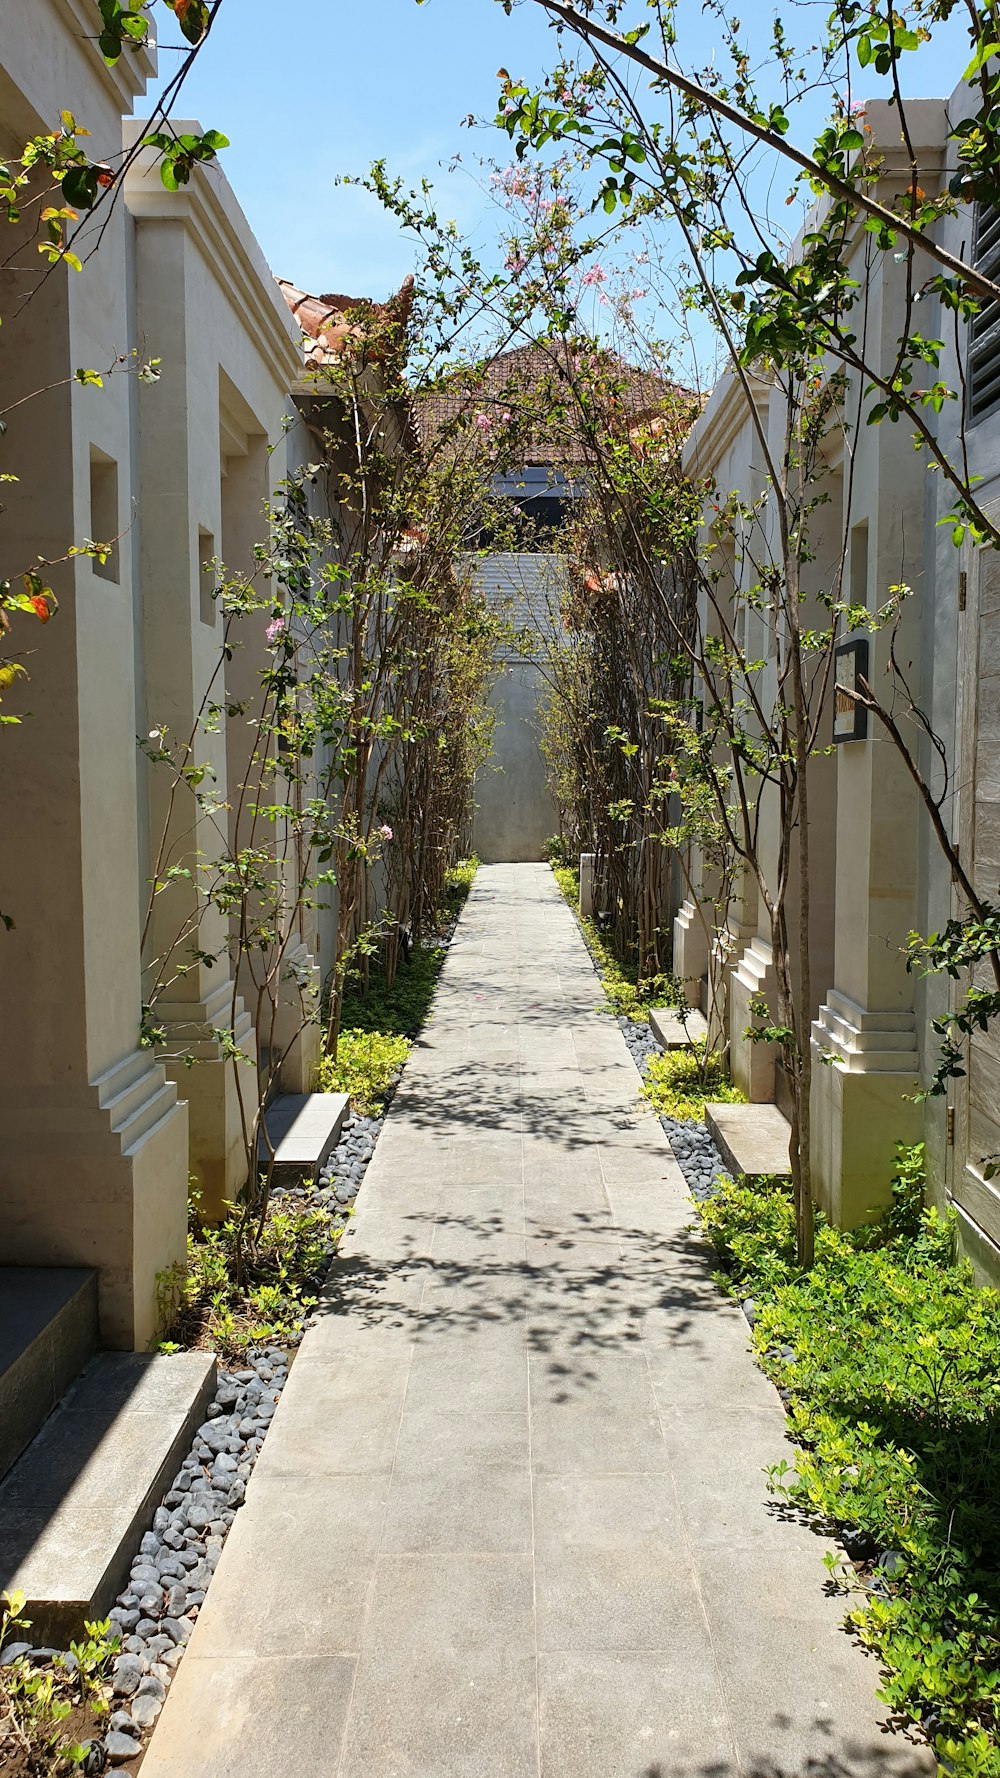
(889, 1354)
(627, 994)
(680, 1083)
(208, 1303)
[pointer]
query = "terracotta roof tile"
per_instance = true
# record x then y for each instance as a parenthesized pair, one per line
(538, 376)
(330, 322)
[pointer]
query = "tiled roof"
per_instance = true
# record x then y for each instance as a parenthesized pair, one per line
(330, 322)
(538, 379)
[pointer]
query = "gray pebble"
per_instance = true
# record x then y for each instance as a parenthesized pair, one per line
(126, 1675)
(145, 1711)
(119, 1747)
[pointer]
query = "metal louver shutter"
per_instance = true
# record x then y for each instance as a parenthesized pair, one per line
(984, 351)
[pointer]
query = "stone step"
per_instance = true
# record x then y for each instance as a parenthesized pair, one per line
(75, 1507)
(305, 1128)
(678, 1031)
(48, 1332)
(752, 1139)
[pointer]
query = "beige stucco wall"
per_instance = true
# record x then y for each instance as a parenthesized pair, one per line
(93, 1163)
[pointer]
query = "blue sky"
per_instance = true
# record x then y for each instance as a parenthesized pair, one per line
(353, 80)
(349, 82)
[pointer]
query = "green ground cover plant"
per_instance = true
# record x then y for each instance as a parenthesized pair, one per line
(627, 993)
(366, 1068)
(680, 1083)
(232, 1293)
(50, 1710)
(887, 1353)
(381, 1017)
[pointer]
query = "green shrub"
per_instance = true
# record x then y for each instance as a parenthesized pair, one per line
(680, 1083)
(893, 1390)
(366, 1066)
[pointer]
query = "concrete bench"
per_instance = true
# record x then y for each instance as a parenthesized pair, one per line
(674, 1031)
(752, 1139)
(304, 1129)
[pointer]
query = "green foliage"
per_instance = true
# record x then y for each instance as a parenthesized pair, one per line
(36, 1701)
(888, 1352)
(626, 992)
(680, 1083)
(558, 851)
(962, 947)
(235, 1291)
(366, 1066)
(397, 1007)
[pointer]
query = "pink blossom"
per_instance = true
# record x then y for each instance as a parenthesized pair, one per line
(275, 630)
(386, 832)
(594, 274)
(484, 422)
(516, 264)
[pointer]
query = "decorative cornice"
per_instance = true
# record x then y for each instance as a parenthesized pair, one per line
(208, 210)
(722, 419)
(135, 68)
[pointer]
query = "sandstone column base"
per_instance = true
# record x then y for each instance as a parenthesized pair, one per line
(221, 1093)
(690, 960)
(98, 1177)
(864, 1065)
(298, 1034)
(752, 1065)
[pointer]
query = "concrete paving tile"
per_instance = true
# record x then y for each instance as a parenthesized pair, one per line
(229, 1718)
(322, 1431)
(473, 1241)
(450, 1716)
(719, 1463)
(710, 1367)
(823, 1719)
(451, 1604)
(432, 1436)
(560, 1163)
(574, 1439)
(453, 1510)
(469, 1369)
(611, 1566)
(305, 1552)
(573, 1247)
(611, 1715)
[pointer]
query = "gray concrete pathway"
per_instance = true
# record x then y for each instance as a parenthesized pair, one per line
(511, 1519)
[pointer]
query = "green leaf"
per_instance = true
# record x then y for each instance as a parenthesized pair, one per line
(982, 55)
(80, 187)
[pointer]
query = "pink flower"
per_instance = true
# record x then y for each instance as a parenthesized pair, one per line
(484, 422)
(594, 274)
(275, 630)
(386, 832)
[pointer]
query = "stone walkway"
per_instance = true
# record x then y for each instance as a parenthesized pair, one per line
(510, 1520)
